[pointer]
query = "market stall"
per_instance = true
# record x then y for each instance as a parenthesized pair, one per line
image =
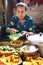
(20, 51)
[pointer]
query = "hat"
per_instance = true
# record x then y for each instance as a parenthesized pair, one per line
(22, 4)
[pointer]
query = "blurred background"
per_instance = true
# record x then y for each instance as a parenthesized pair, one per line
(35, 9)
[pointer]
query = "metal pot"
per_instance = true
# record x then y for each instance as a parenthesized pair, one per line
(36, 39)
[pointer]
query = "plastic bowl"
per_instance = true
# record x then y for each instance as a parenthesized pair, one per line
(28, 50)
(16, 43)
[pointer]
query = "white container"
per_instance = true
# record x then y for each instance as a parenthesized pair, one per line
(36, 39)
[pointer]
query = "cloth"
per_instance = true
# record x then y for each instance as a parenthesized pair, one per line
(27, 2)
(27, 26)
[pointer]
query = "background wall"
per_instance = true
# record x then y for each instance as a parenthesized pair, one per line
(36, 12)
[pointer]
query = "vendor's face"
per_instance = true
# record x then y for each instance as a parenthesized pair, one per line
(21, 12)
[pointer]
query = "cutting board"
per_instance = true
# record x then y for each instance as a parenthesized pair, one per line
(14, 36)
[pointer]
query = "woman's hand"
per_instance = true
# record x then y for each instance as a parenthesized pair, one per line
(24, 32)
(11, 30)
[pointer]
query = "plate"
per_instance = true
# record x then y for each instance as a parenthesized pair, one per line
(6, 50)
(31, 61)
(16, 43)
(11, 60)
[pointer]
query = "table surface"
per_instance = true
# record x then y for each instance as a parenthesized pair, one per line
(25, 41)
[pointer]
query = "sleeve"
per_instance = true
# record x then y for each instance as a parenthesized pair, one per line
(11, 23)
(31, 27)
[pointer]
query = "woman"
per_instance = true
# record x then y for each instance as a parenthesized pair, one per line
(21, 21)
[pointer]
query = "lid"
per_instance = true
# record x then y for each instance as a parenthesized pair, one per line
(35, 38)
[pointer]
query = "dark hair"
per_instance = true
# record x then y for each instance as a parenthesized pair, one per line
(23, 5)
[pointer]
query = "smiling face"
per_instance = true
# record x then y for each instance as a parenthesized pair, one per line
(21, 12)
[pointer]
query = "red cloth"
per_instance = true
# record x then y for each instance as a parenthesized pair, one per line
(39, 1)
(27, 2)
